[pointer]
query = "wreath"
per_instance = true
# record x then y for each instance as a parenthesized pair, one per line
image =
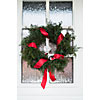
(38, 59)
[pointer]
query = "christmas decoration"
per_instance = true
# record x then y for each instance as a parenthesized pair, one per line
(39, 59)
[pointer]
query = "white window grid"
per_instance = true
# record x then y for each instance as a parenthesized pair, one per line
(47, 20)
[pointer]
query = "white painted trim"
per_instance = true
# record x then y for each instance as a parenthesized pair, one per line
(34, 0)
(47, 11)
(19, 36)
(45, 0)
(49, 98)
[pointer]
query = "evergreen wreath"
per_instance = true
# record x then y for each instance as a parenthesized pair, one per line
(33, 55)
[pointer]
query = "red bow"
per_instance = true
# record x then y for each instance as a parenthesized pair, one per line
(41, 62)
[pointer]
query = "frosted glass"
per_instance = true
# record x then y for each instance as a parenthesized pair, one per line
(34, 13)
(66, 76)
(61, 11)
(30, 75)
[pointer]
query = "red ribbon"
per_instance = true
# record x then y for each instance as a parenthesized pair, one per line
(44, 32)
(52, 77)
(32, 44)
(40, 63)
(57, 56)
(60, 38)
(44, 80)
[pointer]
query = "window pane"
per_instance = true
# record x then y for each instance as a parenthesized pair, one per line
(61, 11)
(30, 75)
(34, 13)
(66, 76)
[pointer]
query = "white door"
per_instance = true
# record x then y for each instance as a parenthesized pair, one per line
(38, 12)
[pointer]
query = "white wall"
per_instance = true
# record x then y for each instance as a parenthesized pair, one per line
(60, 91)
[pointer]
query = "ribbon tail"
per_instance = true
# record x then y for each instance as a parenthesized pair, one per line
(52, 77)
(44, 80)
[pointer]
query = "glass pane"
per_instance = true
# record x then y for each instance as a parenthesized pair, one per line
(67, 75)
(33, 13)
(61, 11)
(30, 75)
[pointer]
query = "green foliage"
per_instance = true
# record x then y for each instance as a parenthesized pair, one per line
(32, 55)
